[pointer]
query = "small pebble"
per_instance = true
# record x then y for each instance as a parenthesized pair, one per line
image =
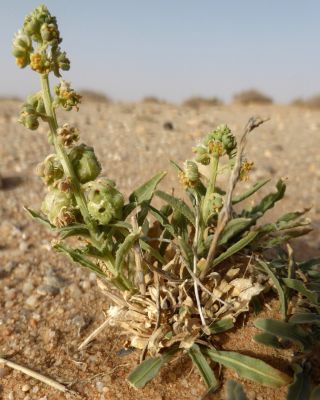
(27, 287)
(99, 386)
(85, 285)
(32, 301)
(75, 291)
(23, 246)
(25, 388)
(44, 290)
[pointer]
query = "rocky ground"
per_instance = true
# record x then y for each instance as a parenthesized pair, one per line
(48, 306)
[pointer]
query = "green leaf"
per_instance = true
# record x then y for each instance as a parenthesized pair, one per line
(251, 191)
(283, 236)
(233, 228)
(300, 388)
(204, 368)
(124, 249)
(145, 192)
(186, 251)
(292, 216)
(236, 247)
(221, 326)
(73, 230)
(234, 391)
(40, 218)
(299, 286)
(312, 264)
(250, 368)
(146, 247)
(268, 340)
(148, 369)
(305, 318)
(78, 257)
(177, 204)
(162, 219)
(276, 282)
(284, 330)
(267, 202)
(315, 395)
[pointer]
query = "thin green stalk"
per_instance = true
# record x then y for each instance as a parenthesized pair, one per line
(66, 164)
(214, 163)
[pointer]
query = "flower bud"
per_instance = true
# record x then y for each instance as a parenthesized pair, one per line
(59, 208)
(41, 25)
(66, 96)
(36, 102)
(40, 63)
(202, 155)
(63, 61)
(85, 163)
(49, 32)
(217, 203)
(29, 118)
(190, 176)
(21, 48)
(68, 135)
(105, 202)
(245, 168)
(50, 170)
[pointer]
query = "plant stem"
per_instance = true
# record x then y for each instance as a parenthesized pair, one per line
(214, 162)
(65, 161)
(195, 258)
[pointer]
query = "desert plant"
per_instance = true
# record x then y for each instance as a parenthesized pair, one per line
(178, 275)
(94, 96)
(197, 102)
(252, 96)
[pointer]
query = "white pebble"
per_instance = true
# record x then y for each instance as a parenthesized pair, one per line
(25, 388)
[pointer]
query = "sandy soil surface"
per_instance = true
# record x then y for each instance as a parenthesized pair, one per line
(48, 306)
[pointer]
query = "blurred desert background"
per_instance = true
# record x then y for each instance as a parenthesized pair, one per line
(47, 305)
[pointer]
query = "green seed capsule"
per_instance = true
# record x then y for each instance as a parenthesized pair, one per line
(202, 155)
(50, 170)
(59, 208)
(191, 171)
(105, 202)
(85, 163)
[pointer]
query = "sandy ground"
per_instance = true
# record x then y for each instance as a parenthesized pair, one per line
(48, 306)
